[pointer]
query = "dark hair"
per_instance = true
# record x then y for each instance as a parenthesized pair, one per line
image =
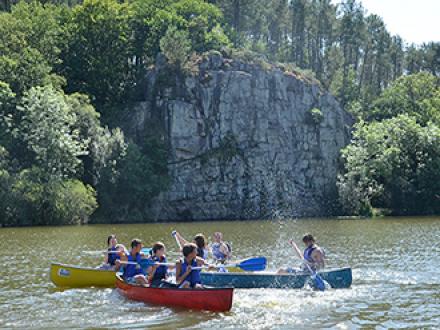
(110, 238)
(308, 238)
(135, 242)
(188, 249)
(158, 246)
(200, 240)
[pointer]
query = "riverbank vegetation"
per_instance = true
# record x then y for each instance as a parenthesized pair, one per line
(69, 68)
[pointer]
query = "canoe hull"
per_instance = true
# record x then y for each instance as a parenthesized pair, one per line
(211, 299)
(69, 276)
(338, 278)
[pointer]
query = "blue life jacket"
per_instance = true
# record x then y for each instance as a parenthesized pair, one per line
(194, 277)
(308, 253)
(131, 270)
(202, 253)
(161, 271)
(217, 253)
(112, 257)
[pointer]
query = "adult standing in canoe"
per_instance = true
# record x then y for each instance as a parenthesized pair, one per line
(313, 255)
(199, 240)
(157, 273)
(132, 269)
(221, 251)
(186, 276)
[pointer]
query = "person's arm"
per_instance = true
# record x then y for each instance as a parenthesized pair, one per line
(202, 262)
(297, 250)
(224, 249)
(151, 271)
(318, 258)
(123, 256)
(181, 240)
(106, 258)
(117, 264)
(181, 278)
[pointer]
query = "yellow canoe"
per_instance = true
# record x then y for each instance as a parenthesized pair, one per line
(68, 276)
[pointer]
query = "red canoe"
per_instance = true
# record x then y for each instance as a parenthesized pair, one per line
(211, 299)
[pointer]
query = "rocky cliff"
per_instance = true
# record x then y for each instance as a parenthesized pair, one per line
(244, 141)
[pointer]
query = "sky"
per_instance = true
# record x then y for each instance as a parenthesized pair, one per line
(416, 21)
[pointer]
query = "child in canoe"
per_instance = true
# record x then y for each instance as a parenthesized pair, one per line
(157, 273)
(133, 272)
(112, 253)
(221, 251)
(313, 255)
(186, 276)
(199, 240)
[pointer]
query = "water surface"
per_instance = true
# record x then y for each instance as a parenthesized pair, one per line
(395, 261)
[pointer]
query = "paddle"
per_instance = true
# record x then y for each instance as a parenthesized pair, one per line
(250, 265)
(317, 280)
(174, 234)
(144, 251)
(147, 263)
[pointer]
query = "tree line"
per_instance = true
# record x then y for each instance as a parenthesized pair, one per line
(69, 68)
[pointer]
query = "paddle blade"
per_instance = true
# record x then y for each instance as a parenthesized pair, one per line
(253, 264)
(318, 282)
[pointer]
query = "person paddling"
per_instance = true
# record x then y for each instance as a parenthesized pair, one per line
(111, 256)
(199, 240)
(221, 251)
(186, 276)
(133, 272)
(157, 273)
(313, 255)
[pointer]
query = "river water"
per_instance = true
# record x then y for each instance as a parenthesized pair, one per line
(395, 261)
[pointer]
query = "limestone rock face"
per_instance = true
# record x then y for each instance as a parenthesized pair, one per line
(243, 141)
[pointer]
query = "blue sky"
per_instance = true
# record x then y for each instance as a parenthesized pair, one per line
(415, 21)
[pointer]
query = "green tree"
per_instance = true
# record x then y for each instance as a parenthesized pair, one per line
(142, 174)
(97, 58)
(417, 95)
(176, 47)
(48, 129)
(31, 38)
(36, 199)
(393, 164)
(6, 108)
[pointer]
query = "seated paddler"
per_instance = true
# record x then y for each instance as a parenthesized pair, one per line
(131, 262)
(313, 256)
(221, 250)
(186, 276)
(199, 240)
(112, 253)
(157, 273)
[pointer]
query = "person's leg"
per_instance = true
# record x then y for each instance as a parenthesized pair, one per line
(140, 279)
(282, 271)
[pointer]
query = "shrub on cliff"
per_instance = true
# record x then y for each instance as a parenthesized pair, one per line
(176, 47)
